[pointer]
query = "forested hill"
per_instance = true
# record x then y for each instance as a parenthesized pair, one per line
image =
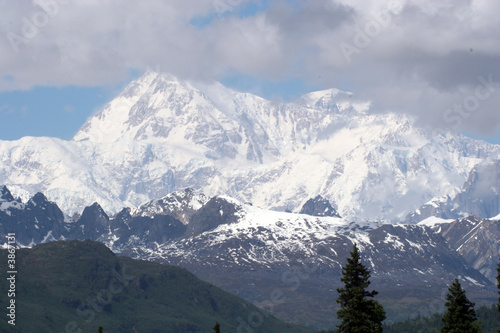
(67, 285)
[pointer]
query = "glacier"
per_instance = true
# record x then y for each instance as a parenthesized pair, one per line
(162, 134)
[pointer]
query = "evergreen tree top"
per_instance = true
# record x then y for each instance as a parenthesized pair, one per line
(358, 313)
(460, 315)
(498, 285)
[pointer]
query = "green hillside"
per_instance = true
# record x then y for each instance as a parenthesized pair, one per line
(66, 286)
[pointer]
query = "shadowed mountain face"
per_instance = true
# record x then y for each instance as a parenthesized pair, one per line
(319, 206)
(260, 254)
(67, 285)
(36, 221)
(162, 134)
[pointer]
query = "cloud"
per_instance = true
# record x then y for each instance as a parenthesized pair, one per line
(422, 57)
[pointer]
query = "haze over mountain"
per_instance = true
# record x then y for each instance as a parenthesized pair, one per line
(161, 134)
(479, 196)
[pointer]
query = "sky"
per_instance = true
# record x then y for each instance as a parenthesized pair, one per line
(62, 60)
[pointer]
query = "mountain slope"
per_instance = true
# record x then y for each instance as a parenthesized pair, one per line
(161, 134)
(75, 284)
(476, 239)
(253, 253)
(479, 196)
(287, 263)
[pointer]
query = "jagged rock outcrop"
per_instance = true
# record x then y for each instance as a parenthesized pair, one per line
(251, 251)
(34, 222)
(318, 206)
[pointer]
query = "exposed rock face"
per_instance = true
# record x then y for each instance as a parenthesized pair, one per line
(93, 223)
(254, 252)
(34, 222)
(477, 240)
(318, 206)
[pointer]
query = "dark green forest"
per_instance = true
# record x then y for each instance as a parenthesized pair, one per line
(487, 317)
(79, 286)
(460, 314)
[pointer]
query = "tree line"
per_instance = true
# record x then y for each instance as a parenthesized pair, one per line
(487, 315)
(360, 312)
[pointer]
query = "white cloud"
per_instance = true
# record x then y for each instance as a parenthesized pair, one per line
(424, 58)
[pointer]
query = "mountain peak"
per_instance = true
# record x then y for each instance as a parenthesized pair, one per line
(39, 198)
(95, 210)
(162, 134)
(179, 204)
(319, 206)
(334, 100)
(5, 195)
(127, 111)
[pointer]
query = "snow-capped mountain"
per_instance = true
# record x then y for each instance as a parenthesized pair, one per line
(253, 252)
(162, 134)
(479, 196)
(257, 253)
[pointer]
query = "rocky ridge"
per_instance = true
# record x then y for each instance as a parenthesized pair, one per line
(253, 252)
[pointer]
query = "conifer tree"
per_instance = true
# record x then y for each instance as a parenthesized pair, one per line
(99, 330)
(358, 311)
(216, 328)
(498, 285)
(460, 315)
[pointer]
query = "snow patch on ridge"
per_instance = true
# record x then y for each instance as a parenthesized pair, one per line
(432, 221)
